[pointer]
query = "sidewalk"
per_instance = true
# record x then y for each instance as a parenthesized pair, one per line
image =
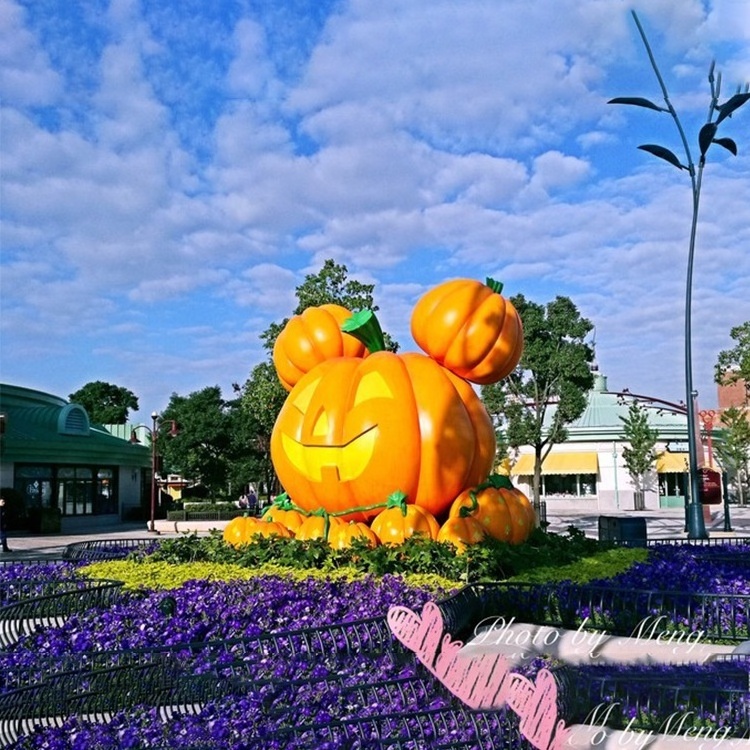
(660, 524)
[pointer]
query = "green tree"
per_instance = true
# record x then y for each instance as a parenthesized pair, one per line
(201, 449)
(105, 403)
(330, 285)
(733, 364)
(548, 389)
(640, 454)
(732, 445)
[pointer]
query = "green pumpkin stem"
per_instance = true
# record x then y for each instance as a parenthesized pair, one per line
(474, 502)
(397, 499)
(496, 286)
(358, 509)
(499, 482)
(364, 326)
(326, 521)
(283, 502)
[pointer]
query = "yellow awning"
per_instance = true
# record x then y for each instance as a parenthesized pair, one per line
(672, 463)
(558, 463)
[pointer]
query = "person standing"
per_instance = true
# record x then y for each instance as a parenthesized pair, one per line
(3, 526)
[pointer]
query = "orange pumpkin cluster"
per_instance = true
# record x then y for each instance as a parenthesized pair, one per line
(494, 509)
(361, 422)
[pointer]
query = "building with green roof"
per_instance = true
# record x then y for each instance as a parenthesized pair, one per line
(588, 472)
(55, 458)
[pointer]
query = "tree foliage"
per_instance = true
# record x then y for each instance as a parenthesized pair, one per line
(261, 400)
(201, 449)
(331, 285)
(732, 445)
(548, 389)
(733, 364)
(640, 454)
(105, 403)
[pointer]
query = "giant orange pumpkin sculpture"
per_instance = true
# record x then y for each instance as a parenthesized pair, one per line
(355, 429)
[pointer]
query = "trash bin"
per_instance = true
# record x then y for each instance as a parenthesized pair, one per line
(627, 530)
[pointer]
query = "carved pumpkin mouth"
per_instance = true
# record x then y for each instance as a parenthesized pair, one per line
(348, 460)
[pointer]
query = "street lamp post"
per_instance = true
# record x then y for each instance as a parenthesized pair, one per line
(153, 432)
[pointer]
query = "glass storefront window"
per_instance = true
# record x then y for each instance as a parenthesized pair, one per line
(569, 485)
(76, 490)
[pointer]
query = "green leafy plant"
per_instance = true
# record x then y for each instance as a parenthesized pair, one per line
(491, 560)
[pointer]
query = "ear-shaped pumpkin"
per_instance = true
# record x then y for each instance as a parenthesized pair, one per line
(310, 338)
(470, 328)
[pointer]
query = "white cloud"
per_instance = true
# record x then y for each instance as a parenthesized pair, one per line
(172, 197)
(27, 76)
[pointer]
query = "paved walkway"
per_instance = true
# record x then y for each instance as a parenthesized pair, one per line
(660, 524)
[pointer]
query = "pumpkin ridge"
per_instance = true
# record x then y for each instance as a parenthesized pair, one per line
(436, 487)
(467, 334)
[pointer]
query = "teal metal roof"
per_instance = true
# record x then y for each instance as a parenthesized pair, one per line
(601, 419)
(42, 428)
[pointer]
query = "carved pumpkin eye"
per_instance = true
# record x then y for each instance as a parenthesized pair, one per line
(304, 397)
(371, 386)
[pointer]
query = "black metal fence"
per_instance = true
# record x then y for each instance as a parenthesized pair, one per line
(30, 603)
(94, 550)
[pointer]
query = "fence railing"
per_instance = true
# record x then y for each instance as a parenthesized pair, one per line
(93, 550)
(621, 612)
(207, 515)
(49, 603)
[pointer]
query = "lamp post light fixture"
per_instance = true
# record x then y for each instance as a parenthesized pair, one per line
(153, 432)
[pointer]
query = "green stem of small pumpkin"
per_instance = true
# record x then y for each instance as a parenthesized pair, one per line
(397, 499)
(496, 286)
(360, 509)
(282, 502)
(499, 482)
(364, 326)
(326, 520)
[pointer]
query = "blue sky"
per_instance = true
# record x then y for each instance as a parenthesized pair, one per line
(172, 170)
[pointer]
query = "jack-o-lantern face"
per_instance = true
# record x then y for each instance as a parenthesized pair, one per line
(354, 430)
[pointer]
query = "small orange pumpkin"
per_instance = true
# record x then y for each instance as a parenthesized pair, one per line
(283, 511)
(470, 328)
(504, 512)
(310, 338)
(317, 526)
(342, 535)
(461, 531)
(242, 529)
(401, 520)
(522, 514)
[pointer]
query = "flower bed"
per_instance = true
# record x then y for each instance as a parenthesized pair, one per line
(331, 685)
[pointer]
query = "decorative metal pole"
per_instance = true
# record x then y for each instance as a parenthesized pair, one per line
(154, 434)
(706, 137)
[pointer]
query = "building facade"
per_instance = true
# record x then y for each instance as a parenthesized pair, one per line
(55, 458)
(588, 472)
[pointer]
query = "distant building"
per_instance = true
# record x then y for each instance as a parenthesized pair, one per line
(588, 473)
(733, 394)
(52, 454)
